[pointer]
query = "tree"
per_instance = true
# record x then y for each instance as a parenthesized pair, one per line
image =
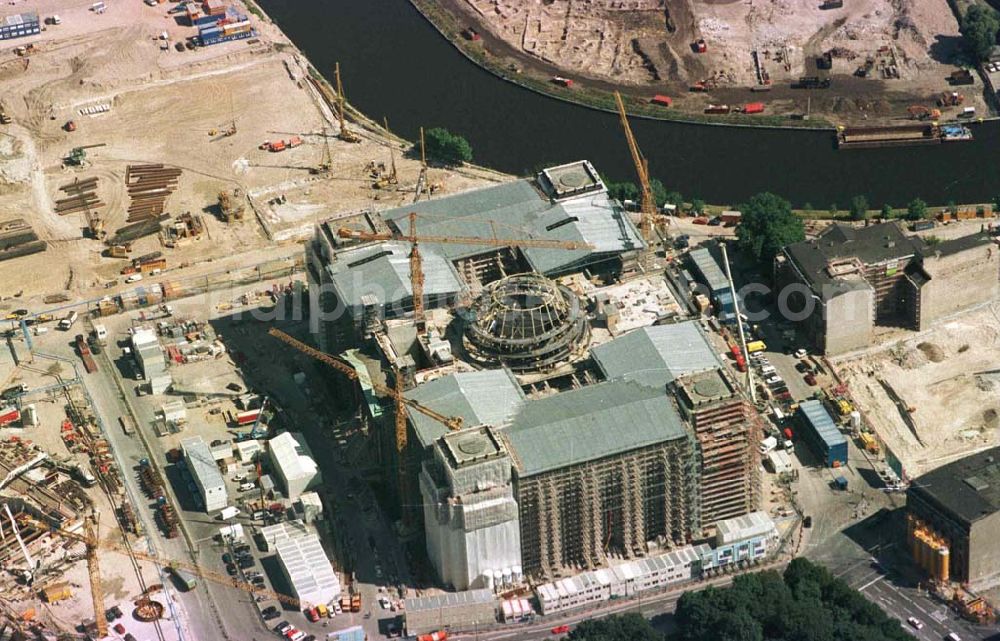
(979, 30)
(887, 211)
(833, 209)
(623, 191)
(659, 191)
(807, 207)
(806, 603)
(625, 627)
(698, 206)
(446, 147)
(767, 225)
(916, 210)
(675, 198)
(859, 208)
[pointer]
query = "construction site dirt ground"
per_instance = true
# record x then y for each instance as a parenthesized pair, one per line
(648, 46)
(162, 106)
(947, 382)
(65, 562)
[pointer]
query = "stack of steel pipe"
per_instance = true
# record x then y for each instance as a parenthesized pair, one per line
(81, 196)
(148, 188)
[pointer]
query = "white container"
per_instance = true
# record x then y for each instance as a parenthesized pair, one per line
(488, 579)
(29, 417)
(228, 513)
(517, 574)
(855, 420)
(507, 576)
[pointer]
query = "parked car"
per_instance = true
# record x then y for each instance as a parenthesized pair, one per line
(270, 613)
(800, 353)
(774, 380)
(560, 629)
(916, 623)
(810, 379)
(281, 627)
(119, 628)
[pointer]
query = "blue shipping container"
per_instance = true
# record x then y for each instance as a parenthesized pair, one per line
(356, 633)
(216, 37)
(19, 26)
(821, 432)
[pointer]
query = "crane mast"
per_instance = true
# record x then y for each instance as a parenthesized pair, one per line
(648, 202)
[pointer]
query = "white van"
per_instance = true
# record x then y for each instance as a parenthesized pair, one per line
(767, 370)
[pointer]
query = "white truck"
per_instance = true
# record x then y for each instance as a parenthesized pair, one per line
(768, 444)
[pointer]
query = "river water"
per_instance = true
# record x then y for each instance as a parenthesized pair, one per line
(395, 64)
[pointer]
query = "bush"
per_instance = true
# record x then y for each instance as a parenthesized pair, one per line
(445, 147)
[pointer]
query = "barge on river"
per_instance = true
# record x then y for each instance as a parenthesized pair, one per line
(900, 136)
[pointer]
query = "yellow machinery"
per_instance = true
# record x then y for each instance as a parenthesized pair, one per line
(345, 134)
(88, 538)
(929, 549)
(648, 203)
(453, 423)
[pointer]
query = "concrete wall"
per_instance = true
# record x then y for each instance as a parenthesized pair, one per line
(849, 321)
(468, 538)
(958, 281)
(984, 553)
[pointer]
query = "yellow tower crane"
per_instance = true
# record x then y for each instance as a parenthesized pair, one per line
(345, 134)
(416, 264)
(453, 423)
(89, 539)
(648, 202)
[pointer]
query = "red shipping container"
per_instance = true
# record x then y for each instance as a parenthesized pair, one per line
(753, 108)
(245, 418)
(9, 414)
(660, 99)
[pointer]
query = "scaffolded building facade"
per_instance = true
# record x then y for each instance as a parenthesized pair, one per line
(727, 438)
(601, 471)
